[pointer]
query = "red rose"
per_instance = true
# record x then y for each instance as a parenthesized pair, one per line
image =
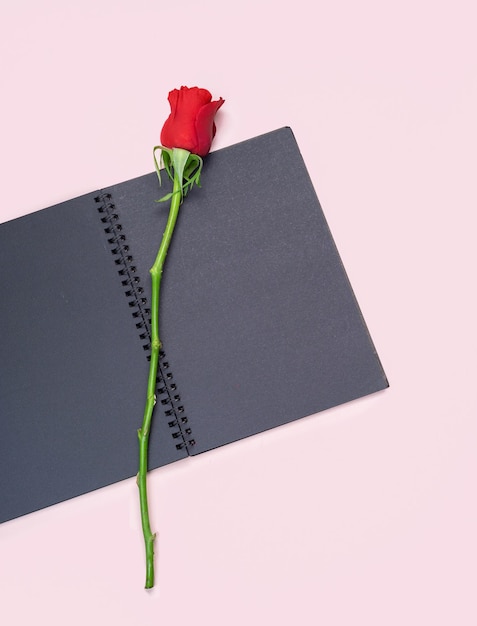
(191, 123)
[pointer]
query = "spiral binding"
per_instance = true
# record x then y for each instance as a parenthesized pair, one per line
(166, 389)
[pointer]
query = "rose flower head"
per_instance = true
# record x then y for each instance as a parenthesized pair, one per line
(190, 124)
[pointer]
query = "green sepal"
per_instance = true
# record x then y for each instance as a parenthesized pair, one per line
(156, 164)
(181, 163)
(168, 196)
(167, 160)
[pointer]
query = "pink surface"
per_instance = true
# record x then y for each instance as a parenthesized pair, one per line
(364, 514)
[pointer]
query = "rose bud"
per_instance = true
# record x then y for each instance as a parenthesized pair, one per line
(191, 123)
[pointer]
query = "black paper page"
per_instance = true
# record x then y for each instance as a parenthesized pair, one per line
(258, 319)
(73, 371)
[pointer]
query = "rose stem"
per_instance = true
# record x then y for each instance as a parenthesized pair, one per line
(143, 432)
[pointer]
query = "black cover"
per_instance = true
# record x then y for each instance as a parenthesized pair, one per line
(258, 321)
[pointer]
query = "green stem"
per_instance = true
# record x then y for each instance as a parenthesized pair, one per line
(143, 432)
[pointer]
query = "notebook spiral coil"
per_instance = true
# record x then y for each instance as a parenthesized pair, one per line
(166, 389)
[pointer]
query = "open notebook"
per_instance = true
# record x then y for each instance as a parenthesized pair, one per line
(258, 321)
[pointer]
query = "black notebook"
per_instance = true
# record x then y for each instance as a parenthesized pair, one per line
(258, 321)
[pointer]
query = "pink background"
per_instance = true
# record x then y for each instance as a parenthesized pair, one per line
(364, 514)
